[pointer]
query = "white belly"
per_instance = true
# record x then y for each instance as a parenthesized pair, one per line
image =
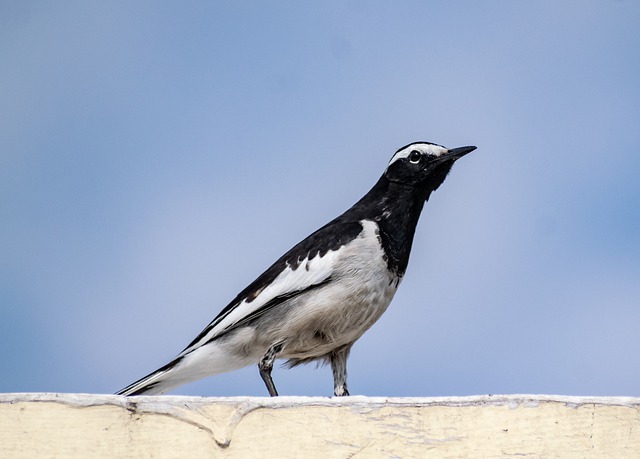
(340, 312)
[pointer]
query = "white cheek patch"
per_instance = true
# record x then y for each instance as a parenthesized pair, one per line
(424, 148)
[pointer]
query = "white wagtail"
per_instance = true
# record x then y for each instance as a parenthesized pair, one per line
(315, 301)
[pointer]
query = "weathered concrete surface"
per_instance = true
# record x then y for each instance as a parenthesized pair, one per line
(108, 426)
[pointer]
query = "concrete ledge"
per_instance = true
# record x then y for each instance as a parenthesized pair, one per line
(109, 426)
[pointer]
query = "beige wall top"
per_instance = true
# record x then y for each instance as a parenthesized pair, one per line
(108, 426)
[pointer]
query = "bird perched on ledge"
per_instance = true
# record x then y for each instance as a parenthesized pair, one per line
(316, 300)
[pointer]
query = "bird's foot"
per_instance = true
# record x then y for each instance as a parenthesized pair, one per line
(341, 391)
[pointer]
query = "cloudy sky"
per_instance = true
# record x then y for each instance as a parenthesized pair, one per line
(155, 157)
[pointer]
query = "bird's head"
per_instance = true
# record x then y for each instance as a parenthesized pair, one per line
(423, 164)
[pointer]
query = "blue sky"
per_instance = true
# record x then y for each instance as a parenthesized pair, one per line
(155, 157)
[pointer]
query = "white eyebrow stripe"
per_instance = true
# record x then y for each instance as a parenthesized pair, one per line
(424, 148)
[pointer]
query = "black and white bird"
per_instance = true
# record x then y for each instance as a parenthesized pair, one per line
(317, 299)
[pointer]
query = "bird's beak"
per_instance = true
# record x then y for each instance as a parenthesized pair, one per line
(457, 153)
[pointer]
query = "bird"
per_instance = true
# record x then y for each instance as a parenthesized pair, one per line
(315, 301)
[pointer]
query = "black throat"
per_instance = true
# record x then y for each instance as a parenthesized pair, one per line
(396, 208)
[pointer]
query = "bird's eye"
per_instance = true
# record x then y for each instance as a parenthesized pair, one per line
(414, 157)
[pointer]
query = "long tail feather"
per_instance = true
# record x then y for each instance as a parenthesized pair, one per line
(153, 384)
(207, 360)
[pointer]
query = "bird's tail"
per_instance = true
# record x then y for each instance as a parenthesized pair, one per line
(207, 360)
(155, 383)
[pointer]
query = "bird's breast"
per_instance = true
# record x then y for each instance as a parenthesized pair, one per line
(360, 290)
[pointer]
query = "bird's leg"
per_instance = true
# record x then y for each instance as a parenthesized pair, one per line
(266, 365)
(339, 368)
